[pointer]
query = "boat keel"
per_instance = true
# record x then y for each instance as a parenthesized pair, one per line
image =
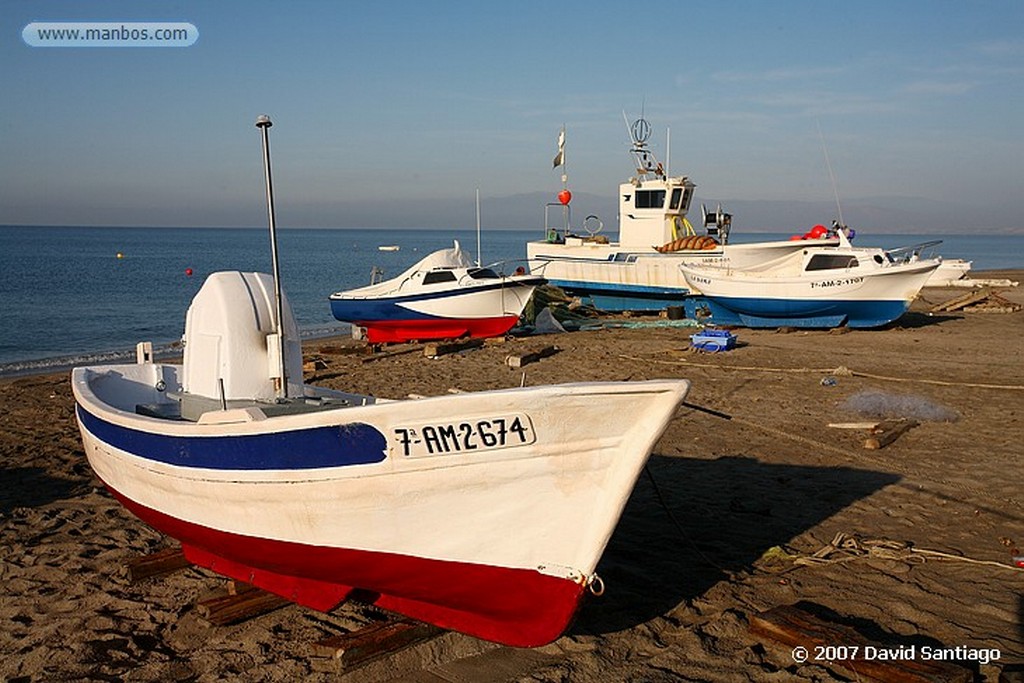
(319, 595)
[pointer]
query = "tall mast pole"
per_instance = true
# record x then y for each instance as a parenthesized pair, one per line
(264, 124)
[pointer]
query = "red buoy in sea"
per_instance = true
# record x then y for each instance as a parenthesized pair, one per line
(565, 197)
(188, 271)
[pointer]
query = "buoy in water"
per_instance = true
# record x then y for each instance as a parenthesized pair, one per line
(188, 271)
(120, 255)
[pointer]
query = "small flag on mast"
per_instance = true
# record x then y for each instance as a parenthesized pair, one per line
(560, 157)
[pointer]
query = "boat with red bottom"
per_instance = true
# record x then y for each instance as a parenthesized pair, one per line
(443, 296)
(484, 512)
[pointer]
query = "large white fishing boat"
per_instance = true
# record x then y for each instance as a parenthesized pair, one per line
(640, 270)
(482, 512)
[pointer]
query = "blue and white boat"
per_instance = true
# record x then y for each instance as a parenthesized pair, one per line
(640, 269)
(443, 296)
(818, 286)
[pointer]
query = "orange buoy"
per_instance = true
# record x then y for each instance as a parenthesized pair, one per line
(565, 197)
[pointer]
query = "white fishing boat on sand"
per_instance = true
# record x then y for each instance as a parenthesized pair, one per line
(482, 512)
(443, 296)
(640, 269)
(819, 286)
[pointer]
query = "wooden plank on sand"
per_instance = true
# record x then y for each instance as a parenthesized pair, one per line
(836, 646)
(959, 301)
(887, 432)
(160, 563)
(527, 358)
(375, 640)
(435, 349)
(239, 605)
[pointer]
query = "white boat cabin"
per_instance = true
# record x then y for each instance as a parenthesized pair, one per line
(652, 206)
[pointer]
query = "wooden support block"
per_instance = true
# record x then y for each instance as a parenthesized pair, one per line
(887, 432)
(244, 604)
(852, 653)
(160, 563)
(314, 364)
(375, 640)
(435, 349)
(959, 302)
(527, 358)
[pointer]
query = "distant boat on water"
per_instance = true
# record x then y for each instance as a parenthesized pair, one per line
(388, 247)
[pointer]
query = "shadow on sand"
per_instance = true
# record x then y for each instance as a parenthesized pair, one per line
(33, 487)
(732, 509)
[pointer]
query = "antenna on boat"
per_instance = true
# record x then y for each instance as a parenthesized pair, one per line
(835, 190)
(644, 160)
(668, 149)
(479, 261)
(281, 382)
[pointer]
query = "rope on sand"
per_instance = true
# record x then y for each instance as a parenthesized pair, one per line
(841, 371)
(888, 463)
(847, 548)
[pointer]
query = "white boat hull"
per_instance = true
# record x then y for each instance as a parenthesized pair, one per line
(619, 279)
(484, 512)
(856, 298)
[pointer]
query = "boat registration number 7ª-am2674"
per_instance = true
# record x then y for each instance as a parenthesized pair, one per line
(446, 438)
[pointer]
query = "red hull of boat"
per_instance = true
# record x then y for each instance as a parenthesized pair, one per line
(398, 331)
(517, 607)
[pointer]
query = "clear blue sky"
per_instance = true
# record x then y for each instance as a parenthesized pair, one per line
(426, 101)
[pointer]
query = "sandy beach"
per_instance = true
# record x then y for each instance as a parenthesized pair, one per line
(747, 484)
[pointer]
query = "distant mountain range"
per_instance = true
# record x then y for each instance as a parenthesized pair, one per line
(882, 215)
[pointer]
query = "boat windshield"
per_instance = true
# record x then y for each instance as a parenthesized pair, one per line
(649, 199)
(435, 276)
(831, 262)
(483, 274)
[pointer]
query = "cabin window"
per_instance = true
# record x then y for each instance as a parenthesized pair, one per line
(482, 274)
(650, 199)
(831, 262)
(677, 194)
(435, 276)
(687, 196)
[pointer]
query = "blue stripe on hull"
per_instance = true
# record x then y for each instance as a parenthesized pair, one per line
(393, 308)
(360, 310)
(333, 446)
(758, 312)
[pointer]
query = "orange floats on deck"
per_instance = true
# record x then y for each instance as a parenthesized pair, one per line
(690, 243)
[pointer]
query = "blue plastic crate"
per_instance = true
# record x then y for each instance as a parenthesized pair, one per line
(713, 340)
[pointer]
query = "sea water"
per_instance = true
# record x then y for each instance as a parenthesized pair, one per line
(71, 296)
(84, 295)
